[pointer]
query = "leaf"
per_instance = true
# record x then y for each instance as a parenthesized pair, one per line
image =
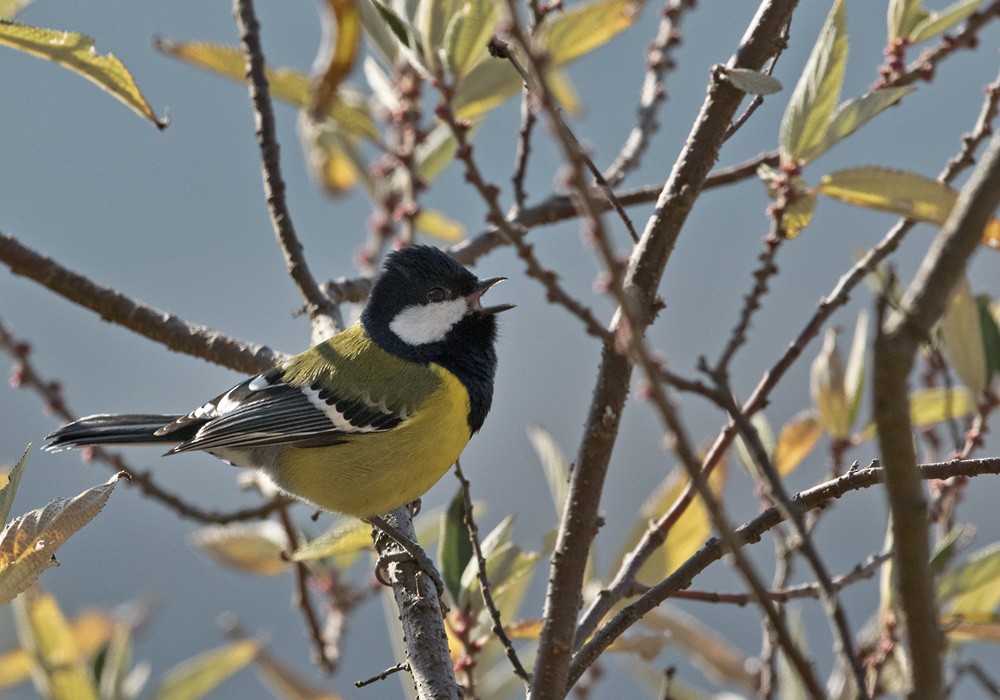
(379, 33)
(855, 113)
(931, 406)
(807, 117)
(973, 587)
(341, 53)
(791, 683)
(286, 682)
(766, 435)
(382, 88)
(753, 82)
(904, 15)
(436, 152)
(328, 155)
(798, 213)
(10, 488)
(980, 628)
(854, 375)
(797, 439)
(827, 388)
(286, 84)
(582, 28)
(9, 8)
(991, 337)
(439, 226)
(934, 23)
(991, 235)
(961, 331)
(468, 34)
(487, 85)
(455, 550)
(77, 53)
(564, 92)
(252, 548)
(29, 542)
(198, 676)
(897, 191)
(554, 464)
(116, 664)
(346, 537)
(48, 637)
(432, 20)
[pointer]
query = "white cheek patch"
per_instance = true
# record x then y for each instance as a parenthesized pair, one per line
(428, 323)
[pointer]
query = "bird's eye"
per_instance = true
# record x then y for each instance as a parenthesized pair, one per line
(436, 294)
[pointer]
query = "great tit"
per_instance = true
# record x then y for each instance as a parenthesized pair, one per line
(364, 422)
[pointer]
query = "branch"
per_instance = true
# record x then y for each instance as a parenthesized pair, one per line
(159, 326)
(895, 348)
(322, 312)
(816, 497)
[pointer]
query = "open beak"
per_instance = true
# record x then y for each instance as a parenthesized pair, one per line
(475, 299)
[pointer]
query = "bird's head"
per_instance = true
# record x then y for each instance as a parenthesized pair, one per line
(425, 305)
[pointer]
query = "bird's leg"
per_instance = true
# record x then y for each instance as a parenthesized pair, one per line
(411, 548)
(415, 507)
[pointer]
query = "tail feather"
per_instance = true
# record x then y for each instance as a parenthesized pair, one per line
(112, 429)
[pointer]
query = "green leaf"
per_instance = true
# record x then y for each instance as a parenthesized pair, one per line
(827, 388)
(487, 85)
(973, 587)
(991, 337)
(439, 226)
(766, 435)
(43, 630)
(9, 8)
(753, 82)
(29, 542)
(251, 548)
(395, 24)
(432, 20)
(855, 113)
(117, 662)
(854, 375)
(931, 406)
(436, 152)
(582, 28)
(200, 675)
(961, 331)
(797, 439)
(468, 34)
(10, 488)
(344, 538)
(379, 31)
(934, 23)
(554, 464)
(807, 118)
(904, 15)
(455, 550)
(76, 52)
(798, 213)
(897, 191)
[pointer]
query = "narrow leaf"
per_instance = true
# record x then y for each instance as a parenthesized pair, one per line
(854, 375)
(340, 53)
(432, 19)
(976, 628)
(991, 236)
(436, 152)
(766, 435)
(973, 587)
(252, 548)
(961, 331)
(554, 464)
(855, 113)
(10, 488)
(753, 82)
(827, 388)
(286, 682)
(582, 28)
(439, 226)
(468, 34)
(991, 337)
(935, 23)
(9, 8)
(379, 34)
(932, 406)
(904, 15)
(488, 84)
(797, 439)
(896, 191)
(76, 52)
(455, 550)
(28, 543)
(798, 213)
(199, 676)
(45, 633)
(347, 537)
(328, 155)
(804, 125)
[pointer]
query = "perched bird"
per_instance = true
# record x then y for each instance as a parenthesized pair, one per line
(364, 422)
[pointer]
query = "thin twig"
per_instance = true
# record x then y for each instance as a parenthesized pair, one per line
(322, 312)
(401, 666)
(758, 100)
(484, 582)
(523, 152)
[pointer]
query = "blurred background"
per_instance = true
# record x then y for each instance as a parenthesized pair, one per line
(177, 219)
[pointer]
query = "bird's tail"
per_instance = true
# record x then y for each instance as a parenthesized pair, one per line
(112, 429)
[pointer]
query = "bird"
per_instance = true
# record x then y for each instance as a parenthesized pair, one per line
(362, 423)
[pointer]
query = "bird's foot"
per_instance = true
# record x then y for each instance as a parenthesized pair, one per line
(411, 551)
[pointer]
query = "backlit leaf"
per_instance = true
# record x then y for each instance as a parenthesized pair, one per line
(554, 464)
(29, 542)
(328, 155)
(766, 435)
(932, 406)
(804, 125)
(487, 85)
(991, 337)
(378, 32)
(10, 488)
(582, 28)
(436, 152)
(962, 334)
(904, 15)
(341, 53)
(827, 388)
(855, 113)
(77, 53)
(286, 682)
(797, 214)
(439, 226)
(197, 677)
(346, 537)
(934, 23)
(43, 630)
(797, 439)
(896, 191)
(468, 34)
(253, 548)
(973, 587)
(564, 92)
(854, 374)
(455, 550)
(991, 236)
(432, 19)
(9, 8)
(753, 82)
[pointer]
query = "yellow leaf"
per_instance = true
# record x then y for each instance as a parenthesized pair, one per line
(962, 334)
(991, 236)
(77, 53)
(344, 538)
(286, 84)
(582, 28)
(564, 92)
(439, 226)
(798, 213)
(972, 588)
(48, 637)
(896, 191)
(804, 126)
(961, 628)
(198, 676)
(9, 8)
(13, 480)
(285, 681)
(468, 33)
(931, 406)
(797, 439)
(253, 548)
(828, 390)
(525, 629)
(488, 85)
(340, 58)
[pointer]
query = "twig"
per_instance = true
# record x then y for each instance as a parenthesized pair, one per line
(401, 666)
(816, 497)
(322, 313)
(528, 120)
(158, 326)
(484, 582)
(895, 347)
(758, 100)
(324, 655)
(652, 94)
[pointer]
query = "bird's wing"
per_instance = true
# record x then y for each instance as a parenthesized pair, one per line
(341, 388)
